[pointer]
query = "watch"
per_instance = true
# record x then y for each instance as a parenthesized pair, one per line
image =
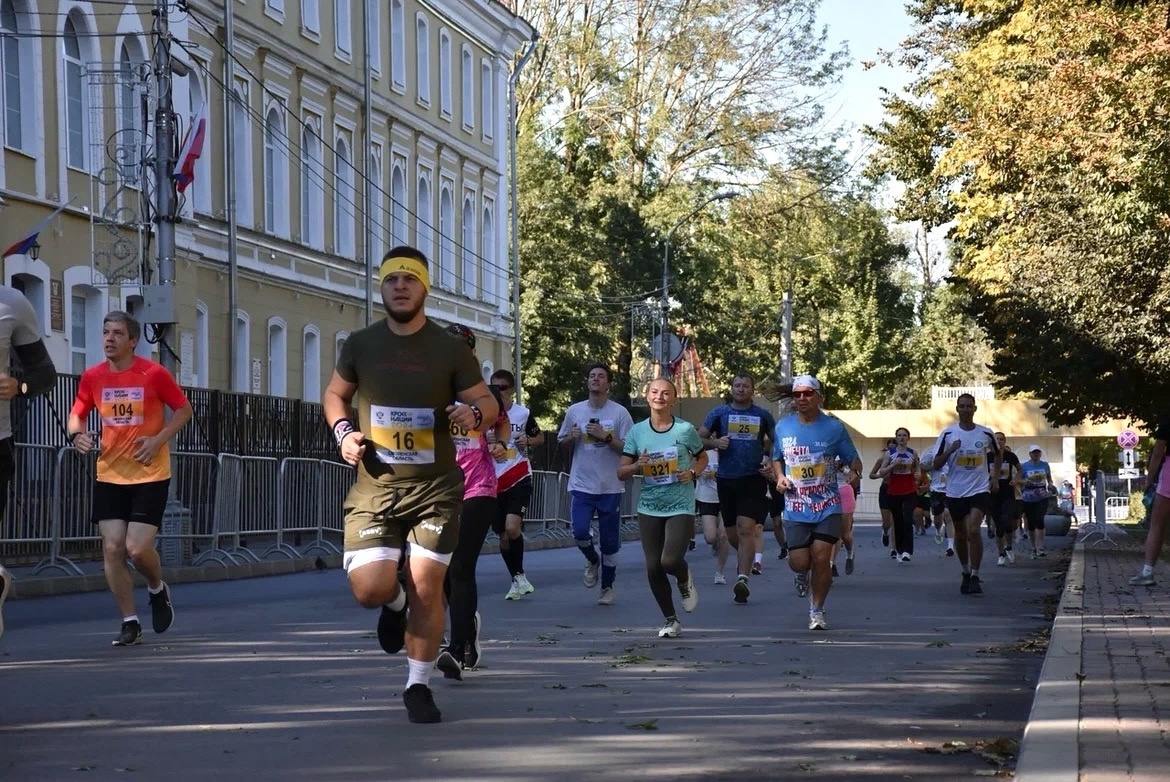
(22, 389)
(609, 438)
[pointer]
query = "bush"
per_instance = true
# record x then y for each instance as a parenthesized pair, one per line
(1137, 510)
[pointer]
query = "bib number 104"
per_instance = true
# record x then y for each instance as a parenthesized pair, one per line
(122, 408)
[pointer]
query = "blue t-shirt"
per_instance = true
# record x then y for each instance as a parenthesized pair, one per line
(1035, 475)
(746, 429)
(809, 452)
(670, 452)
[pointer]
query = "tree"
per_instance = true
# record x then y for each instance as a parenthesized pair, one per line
(1040, 129)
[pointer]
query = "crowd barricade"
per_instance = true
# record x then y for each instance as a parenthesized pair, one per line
(75, 536)
(26, 530)
(303, 498)
(336, 480)
(226, 545)
(193, 479)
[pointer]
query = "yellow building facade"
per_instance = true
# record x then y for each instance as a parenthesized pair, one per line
(78, 99)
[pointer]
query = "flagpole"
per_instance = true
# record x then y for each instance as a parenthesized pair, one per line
(229, 179)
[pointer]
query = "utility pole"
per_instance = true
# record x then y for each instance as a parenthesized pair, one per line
(786, 337)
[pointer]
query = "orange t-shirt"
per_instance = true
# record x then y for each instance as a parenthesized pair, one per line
(130, 404)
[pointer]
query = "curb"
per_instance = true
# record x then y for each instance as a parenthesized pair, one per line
(1050, 749)
(192, 574)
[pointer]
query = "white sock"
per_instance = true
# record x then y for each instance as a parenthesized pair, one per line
(949, 545)
(759, 558)
(975, 572)
(153, 591)
(1147, 570)
(399, 602)
(418, 672)
(131, 618)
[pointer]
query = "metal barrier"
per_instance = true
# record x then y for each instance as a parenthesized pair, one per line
(74, 534)
(336, 480)
(26, 531)
(300, 505)
(229, 490)
(194, 476)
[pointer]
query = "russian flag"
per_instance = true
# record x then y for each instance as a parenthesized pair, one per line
(192, 149)
(24, 245)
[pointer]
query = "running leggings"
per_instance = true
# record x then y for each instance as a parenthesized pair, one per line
(462, 594)
(665, 541)
(903, 506)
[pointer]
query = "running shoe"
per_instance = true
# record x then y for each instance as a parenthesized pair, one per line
(1001, 561)
(965, 587)
(392, 630)
(816, 620)
(904, 556)
(835, 573)
(162, 613)
(885, 538)
(690, 595)
(5, 588)
(692, 546)
(1035, 554)
(514, 591)
(801, 581)
(976, 586)
(950, 551)
(607, 598)
(849, 566)
(1011, 556)
(420, 704)
(449, 664)
(757, 569)
(671, 629)
(938, 538)
(130, 635)
(893, 554)
(720, 579)
(590, 578)
(783, 553)
(741, 591)
(1042, 553)
(473, 654)
(1141, 580)
(525, 585)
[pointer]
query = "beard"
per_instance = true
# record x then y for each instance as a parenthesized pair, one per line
(404, 316)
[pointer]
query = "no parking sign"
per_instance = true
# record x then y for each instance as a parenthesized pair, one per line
(1128, 439)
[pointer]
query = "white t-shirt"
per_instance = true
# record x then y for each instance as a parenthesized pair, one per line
(705, 488)
(967, 468)
(938, 478)
(595, 463)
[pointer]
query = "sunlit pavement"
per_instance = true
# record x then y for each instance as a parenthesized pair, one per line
(282, 678)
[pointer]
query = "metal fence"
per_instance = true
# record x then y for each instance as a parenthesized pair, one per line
(233, 509)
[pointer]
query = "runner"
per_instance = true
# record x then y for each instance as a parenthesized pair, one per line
(807, 447)
(406, 374)
(595, 431)
(20, 338)
(666, 452)
(1159, 479)
(1003, 502)
(1037, 488)
(922, 509)
(1066, 500)
(476, 453)
(898, 470)
(134, 465)
(707, 508)
(846, 477)
(742, 432)
(885, 506)
(514, 476)
(943, 526)
(966, 450)
(776, 514)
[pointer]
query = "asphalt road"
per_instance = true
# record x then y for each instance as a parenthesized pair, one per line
(282, 678)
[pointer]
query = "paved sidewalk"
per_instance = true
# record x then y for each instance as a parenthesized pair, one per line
(1102, 708)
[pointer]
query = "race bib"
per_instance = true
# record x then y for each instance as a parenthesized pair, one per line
(662, 469)
(807, 471)
(743, 427)
(122, 406)
(464, 439)
(969, 460)
(902, 464)
(403, 435)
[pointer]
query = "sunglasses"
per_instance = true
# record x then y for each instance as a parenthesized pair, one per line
(501, 388)
(803, 394)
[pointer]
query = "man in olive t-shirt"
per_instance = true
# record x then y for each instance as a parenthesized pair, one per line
(406, 374)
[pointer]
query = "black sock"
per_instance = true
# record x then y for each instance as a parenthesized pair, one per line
(516, 567)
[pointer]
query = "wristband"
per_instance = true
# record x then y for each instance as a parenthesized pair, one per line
(72, 436)
(478, 416)
(342, 429)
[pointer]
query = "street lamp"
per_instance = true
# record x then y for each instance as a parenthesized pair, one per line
(34, 252)
(665, 342)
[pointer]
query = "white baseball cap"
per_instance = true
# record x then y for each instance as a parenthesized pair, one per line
(1034, 447)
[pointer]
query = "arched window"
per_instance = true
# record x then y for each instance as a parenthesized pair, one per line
(424, 209)
(469, 271)
(422, 46)
(343, 194)
(202, 346)
(444, 74)
(397, 44)
(76, 100)
(379, 229)
(242, 160)
(276, 196)
(201, 187)
(489, 273)
(398, 206)
(311, 355)
(131, 123)
(312, 189)
(13, 87)
(468, 89)
(242, 372)
(277, 357)
(446, 240)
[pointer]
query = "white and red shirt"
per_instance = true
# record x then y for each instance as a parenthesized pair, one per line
(515, 466)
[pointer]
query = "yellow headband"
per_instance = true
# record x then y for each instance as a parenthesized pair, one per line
(406, 265)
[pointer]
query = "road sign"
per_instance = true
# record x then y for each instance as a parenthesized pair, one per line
(1128, 473)
(1128, 439)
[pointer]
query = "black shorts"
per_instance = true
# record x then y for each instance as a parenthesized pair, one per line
(746, 496)
(706, 508)
(938, 503)
(512, 502)
(7, 473)
(143, 503)
(775, 502)
(885, 502)
(1005, 512)
(1034, 513)
(924, 501)
(961, 506)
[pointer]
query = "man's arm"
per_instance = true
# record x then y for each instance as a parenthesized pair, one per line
(37, 371)
(336, 400)
(480, 398)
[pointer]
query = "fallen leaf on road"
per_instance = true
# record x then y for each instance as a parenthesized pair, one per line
(647, 725)
(1080, 676)
(555, 687)
(85, 768)
(937, 644)
(806, 767)
(848, 757)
